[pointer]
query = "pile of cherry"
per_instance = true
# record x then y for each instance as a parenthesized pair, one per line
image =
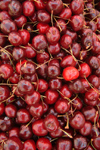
(49, 75)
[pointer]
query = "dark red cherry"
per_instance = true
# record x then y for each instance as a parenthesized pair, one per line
(25, 132)
(14, 8)
(5, 55)
(20, 21)
(25, 36)
(18, 53)
(96, 142)
(42, 71)
(77, 7)
(92, 94)
(2, 108)
(63, 143)
(14, 132)
(76, 47)
(15, 38)
(55, 84)
(53, 35)
(51, 96)
(4, 4)
(18, 66)
(28, 8)
(3, 137)
(38, 128)
(54, 49)
(4, 15)
(10, 110)
(86, 129)
(65, 92)
(5, 123)
(76, 22)
(65, 41)
(43, 16)
(42, 57)
(61, 25)
(86, 42)
(77, 104)
(2, 40)
(13, 143)
(14, 78)
(65, 13)
(42, 27)
(53, 71)
(89, 148)
(80, 142)
(29, 52)
(94, 80)
(72, 34)
(54, 6)
(55, 62)
(43, 143)
(77, 121)
(4, 92)
(16, 91)
(6, 71)
(92, 26)
(42, 85)
(85, 70)
(93, 62)
(39, 4)
(51, 123)
(39, 42)
(29, 144)
(94, 132)
(57, 133)
(7, 26)
(86, 32)
(23, 116)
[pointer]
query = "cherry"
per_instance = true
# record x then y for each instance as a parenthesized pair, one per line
(54, 62)
(28, 8)
(92, 94)
(43, 143)
(18, 66)
(29, 144)
(25, 36)
(4, 15)
(2, 40)
(65, 92)
(86, 42)
(14, 78)
(96, 47)
(92, 26)
(10, 111)
(77, 7)
(86, 32)
(39, 4)
(57, 133)
(39, 42)
(8, 26)
(6, 71)
(87, 128)
(2, 108)
(4, 4)
(65, 41)
(6, 55)
(45, 107)
(4, 92)
(98, 23)
(38, 128)
(18, 53)
(43, 16)
(62, 106)
(53, 71)
(63, 143)
(70, 73)
(3, 136)
(61, 25)
(94, 132)
(94, 80)
(14, 132)
(28, 68)
(75, 49)
(23, 116)
(15, 38)
(54, 49)
(25, 87)
(80, 142)
(29, 52)
(85, 84)
(65, 13)
(14, 8)
(42, 57)
(76, 22)
(5, 123)
(77, 121)
(96, 142)
(20, 103)
(89, 148)
(51, 123)
(42, 27)
(51, 96)
(77, 104)
(55, 84)
(42, 71)
(25, 132)
(93, 62)
(85, 70)
(42, 85)
(72, 34)
(13, 143)
(20, 21)
(53, 35)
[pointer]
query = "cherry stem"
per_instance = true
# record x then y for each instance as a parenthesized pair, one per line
(66, 133)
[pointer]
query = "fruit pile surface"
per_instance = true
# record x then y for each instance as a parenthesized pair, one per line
(49, 74)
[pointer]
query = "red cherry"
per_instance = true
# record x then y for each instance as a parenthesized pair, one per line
(20, 21)
(18, 66)
(29, 144)
(25, 36)
(2, 39)
(4, 15)
(42, 27)
(15, 39)
(43, 16)
(85, 70)
(65, 13)
(65, 91)
(65, 41)
(10, 110)
(63, 143)
(4, 4)
(14, 78)
(14, 132)
(2, 108)
(6, 71)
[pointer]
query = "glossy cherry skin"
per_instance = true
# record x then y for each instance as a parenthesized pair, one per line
(43, 16)
(70, 73)
(43, 143)
(53, 35)
(29, 144)
(61, 25)
(18, 66)
(86, 42)
(57, 133)
(53, 71)
(38, 128)
(18, 53)
(72, 34)
(39, 4)
(10, 110)
(42, 85)
(2, 39)
(65, 13)
(25, 87)
(77, 121)
(92, 94)
(86, 129)
(94, 132)
(65, 41)
(92, 26)
(55, 62)
(29, 52)
(51, 96)
(64, 143)
(42, 71)
(85, 70)
(20, 21)
(42, 27)
(96, 142)
(3, 136)
(89, 148)
(62, 106)
(28, 8)
(77, 103)
(55, 84)
(15, 38)
(77, 7)
(39, 42)
(14, 78)
(4, 4)
(5, 123)
(54, 49)
(13, 143)
(94, 80)
(42, 57)
(65, 92)
(4, 15)
(54, 5)
(80, 142)
(51, 123)
(23, 116)
(14, 132)
(2, 108)
(4, 92)
(93, 62)
(14, 8)
(6, 71)
(25, 36)
(8, 26)
(77, 22)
